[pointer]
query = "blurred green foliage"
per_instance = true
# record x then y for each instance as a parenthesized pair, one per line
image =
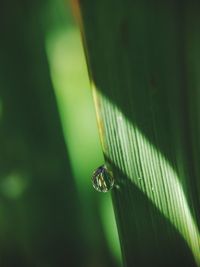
(48, 218)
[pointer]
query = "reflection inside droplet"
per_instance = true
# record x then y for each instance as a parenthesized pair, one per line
(102, 179)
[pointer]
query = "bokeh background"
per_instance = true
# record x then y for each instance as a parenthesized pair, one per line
(49, 145)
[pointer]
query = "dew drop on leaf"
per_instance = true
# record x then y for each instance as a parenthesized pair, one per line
(102, 179)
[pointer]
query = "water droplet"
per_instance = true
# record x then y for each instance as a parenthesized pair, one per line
(102, 179)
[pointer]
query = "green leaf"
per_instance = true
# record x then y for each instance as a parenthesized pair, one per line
(140, 57)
